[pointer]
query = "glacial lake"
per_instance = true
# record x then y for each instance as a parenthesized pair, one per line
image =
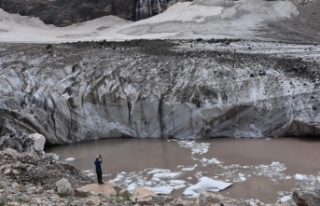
(265, 169)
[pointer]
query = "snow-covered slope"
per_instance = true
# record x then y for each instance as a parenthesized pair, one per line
(245, 19)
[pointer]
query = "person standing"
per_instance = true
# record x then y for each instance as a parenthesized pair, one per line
(99, 169)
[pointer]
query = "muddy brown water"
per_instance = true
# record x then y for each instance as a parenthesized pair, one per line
(264, 169)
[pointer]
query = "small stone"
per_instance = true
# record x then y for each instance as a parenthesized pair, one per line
(13, 204)
(2, 167)
(7, 171)
(64, 187)
(15, 185)
(15, 172)
(50, 191)
(92, 201)
(31, 190)
(82, 192)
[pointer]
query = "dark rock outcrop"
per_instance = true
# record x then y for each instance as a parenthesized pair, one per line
(307, 196)
(64, 13)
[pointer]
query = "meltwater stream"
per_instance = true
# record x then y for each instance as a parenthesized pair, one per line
(264, 169)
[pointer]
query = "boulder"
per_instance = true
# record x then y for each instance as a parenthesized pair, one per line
(38, 141)
(106, 188)
(207, 198)
(143, 195)
(63, 187)
(307, 196)
(82, 192)
(92, 201)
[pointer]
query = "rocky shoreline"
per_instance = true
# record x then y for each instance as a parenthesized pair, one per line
(33, 177)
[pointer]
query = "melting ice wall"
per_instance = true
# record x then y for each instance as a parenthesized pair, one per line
(159, 89)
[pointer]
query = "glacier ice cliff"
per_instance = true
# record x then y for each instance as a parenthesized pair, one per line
(160, 89)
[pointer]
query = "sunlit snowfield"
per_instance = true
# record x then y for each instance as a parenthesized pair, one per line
(264, 169)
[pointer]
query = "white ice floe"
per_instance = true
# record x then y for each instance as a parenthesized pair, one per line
(211, 161)
(177, 184)
(163, 190)
(300, 177)
(274, 169)
(132, 186)
(241, 178)
(153, 171)
(69, 159)
(285, 199)
(155, 179)
(168, 175)
(205, 183)
(196, 148)
(89, 173)
(189, 168)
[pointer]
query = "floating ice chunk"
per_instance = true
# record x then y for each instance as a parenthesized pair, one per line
(189, 178)
(205, 183)
(132, 186)
(211, 161)
(300, 177)
(177, 182)
(158, 171)
(155, 179)
(169, 175)
(285, 199)
(242, 179)
(214, 161)
(196, 148)
(285, 177)
(163, 190)
(69, 159)
(87, 171)
(117, 179)
(177, 187)
(90, 174)
(189, 168)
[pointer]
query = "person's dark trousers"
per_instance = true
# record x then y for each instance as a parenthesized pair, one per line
(99, 177)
